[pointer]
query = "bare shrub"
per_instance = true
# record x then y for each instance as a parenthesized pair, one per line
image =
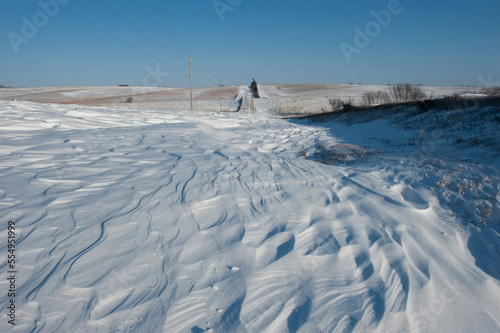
(375, 97)
(349, 105)
(368, 98)
(490, 91)
(405, 92)
(129, 100)
(450, 102)
(484, 212)
(337, 104)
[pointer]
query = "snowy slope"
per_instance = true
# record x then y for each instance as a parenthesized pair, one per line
(136, 220)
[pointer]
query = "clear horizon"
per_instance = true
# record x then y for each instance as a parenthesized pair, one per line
(111, 42)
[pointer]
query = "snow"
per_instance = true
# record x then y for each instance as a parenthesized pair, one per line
(150, 220)
(207, 99)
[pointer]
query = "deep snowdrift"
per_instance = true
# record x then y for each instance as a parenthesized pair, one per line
(152, 220)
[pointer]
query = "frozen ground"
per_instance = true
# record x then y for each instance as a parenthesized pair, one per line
(144, 220)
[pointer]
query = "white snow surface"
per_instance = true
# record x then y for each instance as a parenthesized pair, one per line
(137, 220)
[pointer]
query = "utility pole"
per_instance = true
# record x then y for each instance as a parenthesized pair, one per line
(220, 94)
(191, 80)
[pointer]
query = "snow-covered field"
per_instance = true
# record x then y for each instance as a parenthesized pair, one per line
(207, 99)
(148, 220)
(284, 98)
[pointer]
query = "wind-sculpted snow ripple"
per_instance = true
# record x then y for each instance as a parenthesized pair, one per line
(151, 221)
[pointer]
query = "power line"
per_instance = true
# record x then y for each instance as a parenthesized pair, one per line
(210, 80)
(136, 28)
(119, 39)
(157, 25)
(205, 77)
(133, 26)
(171, 38)
(147, 36)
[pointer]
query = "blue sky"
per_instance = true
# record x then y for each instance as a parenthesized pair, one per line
(232, 41)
